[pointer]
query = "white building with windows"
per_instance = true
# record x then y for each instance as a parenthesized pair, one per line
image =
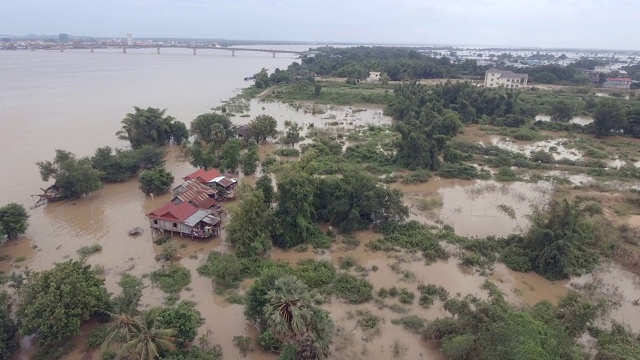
(494, 78)
(129, 39)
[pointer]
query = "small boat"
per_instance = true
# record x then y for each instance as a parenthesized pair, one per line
(136, 231)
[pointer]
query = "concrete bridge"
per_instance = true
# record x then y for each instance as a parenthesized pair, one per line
(193, 48)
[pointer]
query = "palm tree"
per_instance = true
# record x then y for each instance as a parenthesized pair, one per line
(292, 318)
(146, 126)
(140, 336)
(218, 137)
(148, 338)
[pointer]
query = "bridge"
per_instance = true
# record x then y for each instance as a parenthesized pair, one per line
(158, 47)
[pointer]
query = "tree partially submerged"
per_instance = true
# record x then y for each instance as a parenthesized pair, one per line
(155, 181)
(150, 126)
(13, 220)
(54, 303)
(73, 177)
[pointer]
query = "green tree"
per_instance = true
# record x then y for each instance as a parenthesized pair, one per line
(263, 127)
(9, 339)
(250, 159)
(293, 225)
(149, 339)
(609, 116)
(561, 111)
(202, 128)
(293, 319)
(179, 132)
(384, 78)
(115, 167)
(262, 79)
(292, 136)
(201, 156)
(149, 126)
(13, 220)
(256, 296)
(249, 229)
(184, 318)
(317, 90)
(169, 251)
(231, 155)
(54, 303)
(155, 181)
(265, 185)
(149, 157)
(73, 177)
(218, 137)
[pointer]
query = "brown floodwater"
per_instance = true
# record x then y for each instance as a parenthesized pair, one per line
(471, 207)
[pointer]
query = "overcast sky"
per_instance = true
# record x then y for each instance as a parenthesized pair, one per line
(609, 24)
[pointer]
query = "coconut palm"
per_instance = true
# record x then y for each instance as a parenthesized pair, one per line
(148, 339)
(218, 137)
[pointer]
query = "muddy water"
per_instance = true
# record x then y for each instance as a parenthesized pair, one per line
(580, 120)
(471, 207)
(555, 147)
(333, 118)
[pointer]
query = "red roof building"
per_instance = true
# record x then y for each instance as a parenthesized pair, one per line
(171, 212)
(204, 176)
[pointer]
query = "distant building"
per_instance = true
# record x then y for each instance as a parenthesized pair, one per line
(494, 78)
(374, 76)
(64, 38)
(129, 39)
(617, 83)
(605, 69)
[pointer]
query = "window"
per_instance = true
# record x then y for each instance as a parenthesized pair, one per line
(175, 225)
(155, 222)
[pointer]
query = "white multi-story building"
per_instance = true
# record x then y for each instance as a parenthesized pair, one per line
(494, 78)
(129, 39)
(617, 83)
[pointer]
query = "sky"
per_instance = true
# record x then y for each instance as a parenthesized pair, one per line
(596, 24)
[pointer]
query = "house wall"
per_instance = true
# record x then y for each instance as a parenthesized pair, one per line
(168, 226)
(494, 80)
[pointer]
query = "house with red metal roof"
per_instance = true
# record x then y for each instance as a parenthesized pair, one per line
(203, 176)
(185, 219)
(225, 186)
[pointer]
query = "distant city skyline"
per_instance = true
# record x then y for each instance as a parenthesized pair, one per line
(567, 24)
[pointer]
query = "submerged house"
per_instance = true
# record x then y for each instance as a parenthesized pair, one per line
(223, 186)
(197, 194)
(185, 219)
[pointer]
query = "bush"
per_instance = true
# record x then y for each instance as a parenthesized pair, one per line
(243, 343)
(506, 174)
(413, 323)
(406, 296)
(352, 289)
(316, 274)
(269, 343)
(85, 251)
(541, 156)
(286, 152)
(184, 318)
(458, 171)
(173, 279)
(97, 337)
(228, 270)
(411, 236)
(419, 176)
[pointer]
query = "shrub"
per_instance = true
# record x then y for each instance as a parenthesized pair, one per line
(85, 251)
(228, 270)
(269, 343)
(243, 343)
(413, 323)
(506, 174)
(287, 152)
(419, 176)
(458, 171)
(541, 156)
(406, 296)
(173, 279)
(352, 289)
(97, 337)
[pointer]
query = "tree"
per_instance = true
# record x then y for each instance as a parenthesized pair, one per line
(292, 136)
(149, 339)
(317, 89)
(263, 127)
(202, 128)
(155, 181)
(201, 156)
(250, 159)
(218, 137)
(384, 78)
(150, 126)
(231, 155)
(9, 339)
(73, 177)
(149, 157)
(608, 116)
(115, 167)
(179, 132)
(265, 185)
(561, 111)
(184, 318)
(249, 229)
(54, 303)
(292, 318)
(293, 225)
(169, 251)
(262, 79)
(13, 220)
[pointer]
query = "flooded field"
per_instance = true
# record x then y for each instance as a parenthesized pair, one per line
(580, 120)
(556, 147)
(471, 207)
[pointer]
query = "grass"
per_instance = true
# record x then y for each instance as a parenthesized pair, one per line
(429, 204)
(336, 93)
